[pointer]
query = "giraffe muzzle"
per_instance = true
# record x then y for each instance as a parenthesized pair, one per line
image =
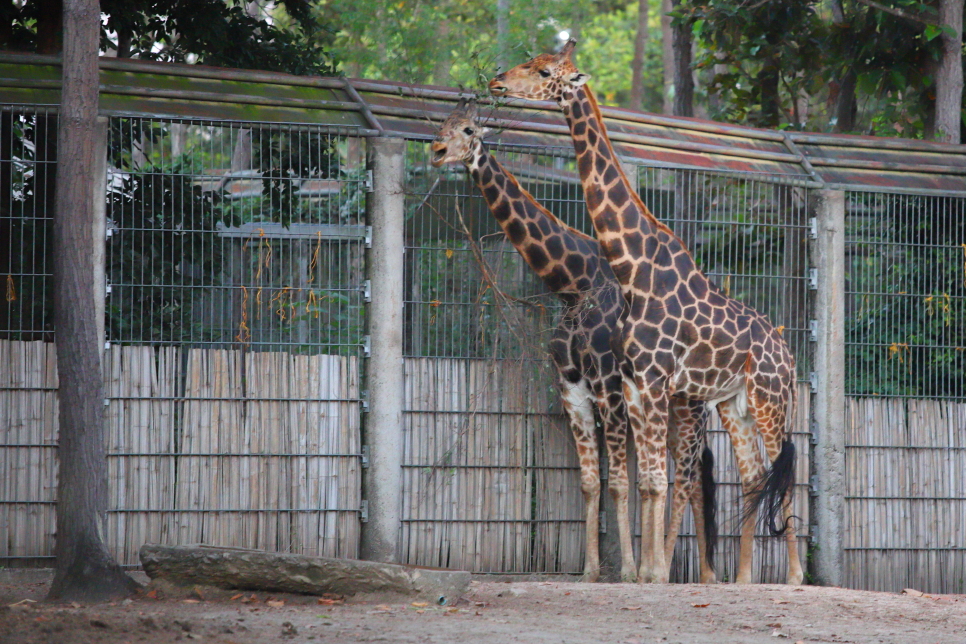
(439, 154)
(497, 88)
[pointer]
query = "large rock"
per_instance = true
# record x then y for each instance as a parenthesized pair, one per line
(259, 570)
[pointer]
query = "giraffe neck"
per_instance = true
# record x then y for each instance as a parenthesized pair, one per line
(539, 237)
(622, 221)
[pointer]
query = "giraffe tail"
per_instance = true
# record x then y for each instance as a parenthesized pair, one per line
(709, 491)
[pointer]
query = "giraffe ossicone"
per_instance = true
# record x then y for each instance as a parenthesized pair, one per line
(681, 337)
(589, 377)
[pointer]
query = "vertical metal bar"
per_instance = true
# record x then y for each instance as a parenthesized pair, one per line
(829, 454)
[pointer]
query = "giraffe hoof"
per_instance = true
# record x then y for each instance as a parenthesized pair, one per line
(590, 577)
(795, 579)
(628, 576)
(710, 578)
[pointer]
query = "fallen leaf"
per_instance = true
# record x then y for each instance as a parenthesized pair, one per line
(778, 634)
(191, 601)
(23, 603)
(420, 611)
(774, 625)
(238, 596)
(452, 610)
(330, 602)
(912, 592)
(383, 607)
(780, 601)
(153, 594)
(420, 604)
(700, 605)
(631, 607)
(251, 599)
(567, 593)
(480, 604)
(275, 603)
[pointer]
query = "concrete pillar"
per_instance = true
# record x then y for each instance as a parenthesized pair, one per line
(100, 226)
(829, 454)
(384, 423)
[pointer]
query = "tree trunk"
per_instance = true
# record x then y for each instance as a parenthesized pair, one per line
(949, 79)
(85, 569)
(640, 47)
(768, 88)
(683, 104)
(668, 50)
(845, 107)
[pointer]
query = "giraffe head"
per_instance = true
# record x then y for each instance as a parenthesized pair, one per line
(548, 77)
(460, 136)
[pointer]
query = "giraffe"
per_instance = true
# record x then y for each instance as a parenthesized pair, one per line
(681, 336)
(570, 263)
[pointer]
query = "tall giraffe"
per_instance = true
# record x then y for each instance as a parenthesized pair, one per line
(682, 337)
(570, 263)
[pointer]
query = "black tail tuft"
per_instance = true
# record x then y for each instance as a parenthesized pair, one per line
(709, 490)
(772, 490)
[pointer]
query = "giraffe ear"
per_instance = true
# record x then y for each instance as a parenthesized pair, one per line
(471, 108)
(485, 132)
(578, 78)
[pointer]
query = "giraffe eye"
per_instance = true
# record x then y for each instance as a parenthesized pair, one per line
(544, 73)
(468, 131)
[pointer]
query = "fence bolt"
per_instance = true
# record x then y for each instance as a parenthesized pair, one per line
(364, 400)
(367, 346)
(813, 330)
(368, 183)
(813, 227)
(365, 457)
(813, 381)
(368, 236)
(364, 512)
(107, 290)
(367, 290)
(813, 279)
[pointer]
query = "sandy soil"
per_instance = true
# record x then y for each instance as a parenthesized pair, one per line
(491, 612)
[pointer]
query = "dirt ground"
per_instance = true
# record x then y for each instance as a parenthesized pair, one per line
(491, 612)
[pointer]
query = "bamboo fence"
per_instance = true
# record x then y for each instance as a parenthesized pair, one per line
(906, 494)
(262, 450)
(253, 450)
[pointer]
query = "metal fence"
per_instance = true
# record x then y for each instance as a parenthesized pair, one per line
(906, 377)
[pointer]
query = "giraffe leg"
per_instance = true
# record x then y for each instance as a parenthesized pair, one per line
(578, 404)
(687, 432)
(771, 421)
(615, 436)
(677, 438)
(647, 412)
(744, 440)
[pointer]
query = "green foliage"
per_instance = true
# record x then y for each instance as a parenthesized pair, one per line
(211, 32)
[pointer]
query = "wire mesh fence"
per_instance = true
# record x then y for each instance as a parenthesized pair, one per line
(906, 378)
(235, 327)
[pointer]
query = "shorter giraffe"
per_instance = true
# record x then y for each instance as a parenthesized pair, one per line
(570, 263)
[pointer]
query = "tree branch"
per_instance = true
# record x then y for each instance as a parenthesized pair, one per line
(902, 13)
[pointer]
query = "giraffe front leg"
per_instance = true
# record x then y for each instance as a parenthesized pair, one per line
(615, 435)
(647, 411)
(578, 405)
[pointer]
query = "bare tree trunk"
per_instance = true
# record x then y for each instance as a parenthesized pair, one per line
(668, 47)
(683, 104)
(640, 47)
(949, 79)
(85, 569)
(768, 86)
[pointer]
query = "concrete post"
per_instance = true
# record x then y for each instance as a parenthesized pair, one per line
(100, 226)
(829, 455)
(384, 423)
